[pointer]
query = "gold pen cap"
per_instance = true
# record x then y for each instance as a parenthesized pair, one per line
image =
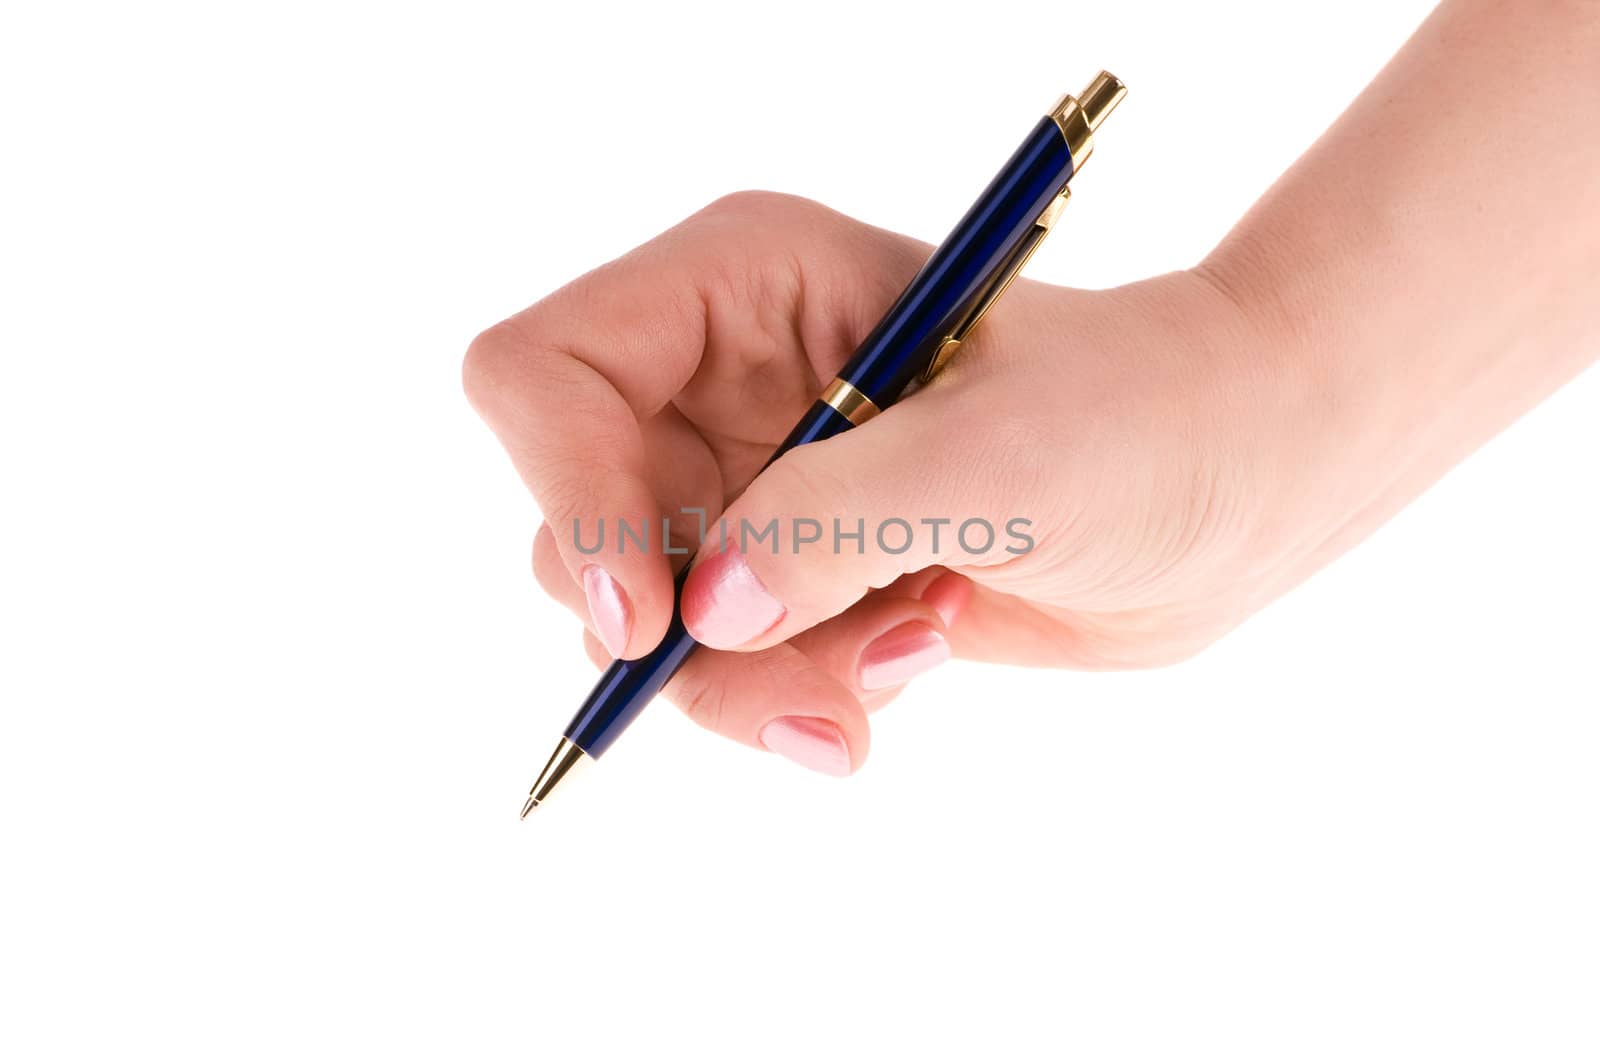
(1079, 116)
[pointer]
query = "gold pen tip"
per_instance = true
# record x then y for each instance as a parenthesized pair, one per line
(566, 757)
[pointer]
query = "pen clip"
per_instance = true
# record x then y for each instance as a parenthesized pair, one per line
(997, 287)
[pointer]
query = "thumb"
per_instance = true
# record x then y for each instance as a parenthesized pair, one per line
(830, 521)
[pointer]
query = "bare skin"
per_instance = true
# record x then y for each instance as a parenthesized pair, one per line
(1425, 274)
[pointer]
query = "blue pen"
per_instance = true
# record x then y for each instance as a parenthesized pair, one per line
(924, 327)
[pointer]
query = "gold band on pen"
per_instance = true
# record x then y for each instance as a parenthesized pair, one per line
(852, 405)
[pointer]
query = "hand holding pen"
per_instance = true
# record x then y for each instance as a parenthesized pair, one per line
(1184, 449)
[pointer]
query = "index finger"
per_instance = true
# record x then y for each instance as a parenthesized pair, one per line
(567, 384)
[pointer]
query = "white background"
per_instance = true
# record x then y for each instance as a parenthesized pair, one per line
(276, 674)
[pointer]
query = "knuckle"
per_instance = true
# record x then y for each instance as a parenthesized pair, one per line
(566, 503)
(701, 700)
(749, 203)
(490, 361)
(548, 568)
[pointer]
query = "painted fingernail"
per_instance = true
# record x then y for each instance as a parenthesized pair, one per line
(948, 595)
(608, 606)
(725, 603)
(901, 654)
(809, 742)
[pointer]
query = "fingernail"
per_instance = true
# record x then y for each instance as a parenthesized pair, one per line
(809, 742)
(608, 606)
(902, 654)
(725, 604)
(948, 595)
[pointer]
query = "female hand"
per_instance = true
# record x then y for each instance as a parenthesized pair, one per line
(1122, 433)
(1185, 448)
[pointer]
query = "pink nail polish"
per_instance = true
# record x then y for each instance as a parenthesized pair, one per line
(725, 603)
(608, 607)
(809, 742)
(948, 595)
(901, 654)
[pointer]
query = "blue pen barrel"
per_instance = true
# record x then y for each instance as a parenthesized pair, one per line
(956, 277)
(820, 422)
(628, 686)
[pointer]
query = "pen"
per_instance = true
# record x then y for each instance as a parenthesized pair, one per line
(916, 338)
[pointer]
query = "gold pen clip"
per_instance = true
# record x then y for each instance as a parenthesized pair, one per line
(1003, 278)
(1077, 117)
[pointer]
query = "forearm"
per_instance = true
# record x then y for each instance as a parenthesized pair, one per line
(1430, 269)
